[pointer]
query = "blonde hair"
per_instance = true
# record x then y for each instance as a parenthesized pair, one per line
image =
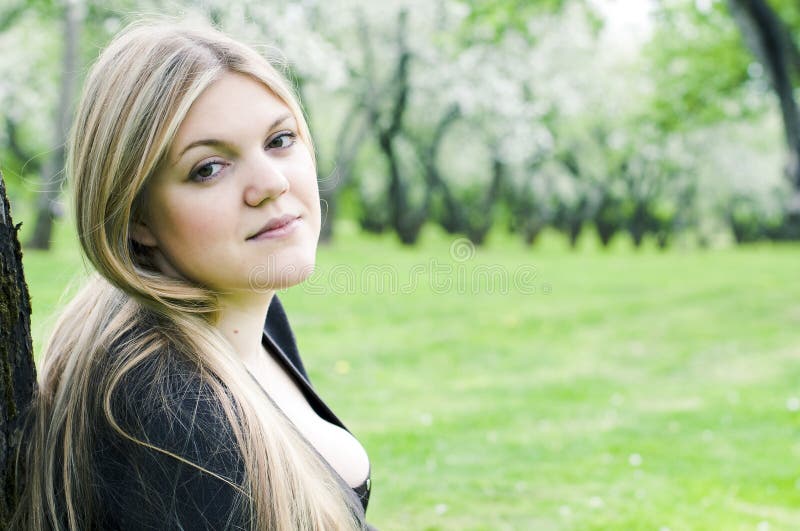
(129, 315)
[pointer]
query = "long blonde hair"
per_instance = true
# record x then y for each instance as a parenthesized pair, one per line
(129, 315)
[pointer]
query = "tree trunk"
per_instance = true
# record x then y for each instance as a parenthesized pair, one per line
(53, 174)
(400, 215)
(406, 222)
(328, 203)
(477, 231)
(771, 42)
(531, 231)
(452, 218)
(341, 171)
(638, 223)
(17, 370)
(575, 229)
(606, 231)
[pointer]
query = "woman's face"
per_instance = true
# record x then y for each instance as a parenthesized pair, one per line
(237, 163)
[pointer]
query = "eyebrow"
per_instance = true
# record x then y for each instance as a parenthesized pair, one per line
(214, 142)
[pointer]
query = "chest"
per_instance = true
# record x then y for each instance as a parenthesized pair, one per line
(342, 451)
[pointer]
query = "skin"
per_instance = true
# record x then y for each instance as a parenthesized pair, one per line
(205, 202)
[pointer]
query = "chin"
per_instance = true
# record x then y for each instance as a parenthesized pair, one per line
(281, 276)
(294, 278)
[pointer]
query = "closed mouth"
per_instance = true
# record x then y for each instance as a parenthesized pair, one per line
(275, 223)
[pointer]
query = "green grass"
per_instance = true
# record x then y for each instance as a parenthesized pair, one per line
(613, 390)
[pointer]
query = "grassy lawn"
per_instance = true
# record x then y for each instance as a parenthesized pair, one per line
(593, 390)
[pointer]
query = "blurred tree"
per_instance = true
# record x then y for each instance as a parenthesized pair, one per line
(13, 10)
(531, 207)
(24, 90)
(696, 38)
(386, 121)
(493, 19)
(427, 150)
(771, 41)
(473, 105)
(53, 171)
(471, 111)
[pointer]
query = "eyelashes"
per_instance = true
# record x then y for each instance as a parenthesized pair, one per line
(210, 169)
(286, 139)
(202, 173)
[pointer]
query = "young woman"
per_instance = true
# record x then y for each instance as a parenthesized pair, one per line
(171, 392)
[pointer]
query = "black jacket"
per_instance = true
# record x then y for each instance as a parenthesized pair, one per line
(139, 488)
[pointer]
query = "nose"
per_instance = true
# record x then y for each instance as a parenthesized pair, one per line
(265, 180)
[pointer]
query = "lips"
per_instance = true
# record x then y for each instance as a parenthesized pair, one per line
(274, 223)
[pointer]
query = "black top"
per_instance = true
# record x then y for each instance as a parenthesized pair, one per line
(138, 488)
(279, 341)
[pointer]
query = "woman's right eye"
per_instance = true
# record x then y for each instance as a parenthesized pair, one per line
(207, 171)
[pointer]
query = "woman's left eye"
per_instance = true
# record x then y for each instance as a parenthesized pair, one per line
(282, 140)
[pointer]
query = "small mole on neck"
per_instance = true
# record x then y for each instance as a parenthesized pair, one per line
(235, 331)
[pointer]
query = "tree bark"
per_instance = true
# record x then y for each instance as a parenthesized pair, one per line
(53, 174)
(17, 369)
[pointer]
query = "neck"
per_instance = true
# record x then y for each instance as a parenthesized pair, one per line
(241, 322)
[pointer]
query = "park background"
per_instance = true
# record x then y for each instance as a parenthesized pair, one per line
(555, 285)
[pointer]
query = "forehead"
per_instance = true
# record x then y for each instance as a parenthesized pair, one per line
(230, 106)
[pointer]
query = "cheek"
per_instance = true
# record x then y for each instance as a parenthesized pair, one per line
(199, 228)
(313, 202)
(301, 165)
(305, 186)
(190, 224)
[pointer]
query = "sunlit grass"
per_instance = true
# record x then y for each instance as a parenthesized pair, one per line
(611, 390)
